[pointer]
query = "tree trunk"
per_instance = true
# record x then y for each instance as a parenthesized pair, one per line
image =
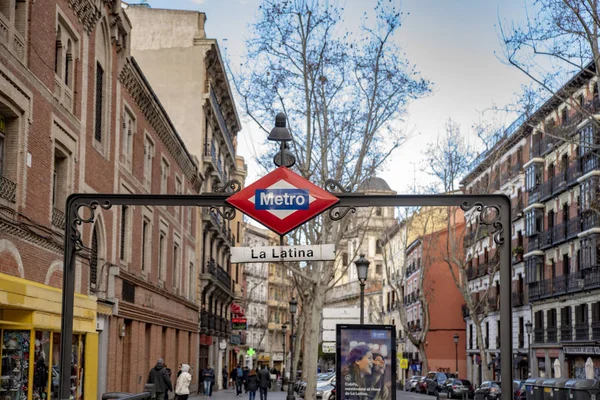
(485, 374)
(424, 362)
(311, 341)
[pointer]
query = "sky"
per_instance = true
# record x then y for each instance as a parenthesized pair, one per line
(453, 43)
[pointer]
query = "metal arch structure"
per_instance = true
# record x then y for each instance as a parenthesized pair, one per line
(494, 210)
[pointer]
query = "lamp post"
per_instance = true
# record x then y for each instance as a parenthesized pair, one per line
(456, 347)
(283, 331)
(362, 269)
(529, 328)
(292, 380)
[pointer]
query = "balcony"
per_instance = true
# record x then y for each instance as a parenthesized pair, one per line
(536, 148)
(546, 239)
(596, 330)
(589, 221)
(214, 324)
(585, 279)
(210, 154)
(534, 195)
(589, 163)
(217, 272)
(517, 209)
(517, 298)
(582, 331)
(546, 190)
(465, 311)
(219, 225)
(538, 335)
(559, 183)
(573, 173)
(8, 189)
(221, 121)
(552, 334)
(573, 227)
(471, 273)
(58, 218)
(533, 243)
(274, 326)
(566, 333)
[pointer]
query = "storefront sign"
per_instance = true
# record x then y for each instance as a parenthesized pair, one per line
(283, 253)
(363, 351)
(278, 357)
(206, 340)
(329, 347)
(239, 324)
(593, 350)
(237, 310)
(235, 339)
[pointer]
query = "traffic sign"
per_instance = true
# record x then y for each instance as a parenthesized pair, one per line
(282, 200)
(404, 363)
(319, 252)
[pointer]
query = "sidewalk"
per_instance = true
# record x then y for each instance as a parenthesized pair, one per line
(230, 394)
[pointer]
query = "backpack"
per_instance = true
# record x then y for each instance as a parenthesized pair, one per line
(240, 373)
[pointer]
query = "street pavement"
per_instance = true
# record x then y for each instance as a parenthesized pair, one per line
(230, 394)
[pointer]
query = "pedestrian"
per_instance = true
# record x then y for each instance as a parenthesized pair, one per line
(168, 373)
(179, 370)
(238, 375)
(264, 382)
(252, 384)
(209, 378)
(224, 371)
(246, 371)
(160, 378)
(182, 388)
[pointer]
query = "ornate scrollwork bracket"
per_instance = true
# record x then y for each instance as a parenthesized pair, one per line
(231, 186)
(488, 215)
(227, 213)
(90, 208)
(331, 185)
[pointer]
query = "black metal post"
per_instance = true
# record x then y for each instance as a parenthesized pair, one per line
(362, 302)
(284, 361)
(530, 361)
(292, 380)
(456, 347)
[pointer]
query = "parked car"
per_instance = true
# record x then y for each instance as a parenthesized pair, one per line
(421, 386)
(326, 391)
(411, 384)
(459, 388)
(489, 390)
(435, 381)
(519, 391)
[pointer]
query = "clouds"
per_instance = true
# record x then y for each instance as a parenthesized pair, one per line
(199, 2)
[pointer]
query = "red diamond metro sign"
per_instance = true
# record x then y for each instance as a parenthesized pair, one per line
(282, 200)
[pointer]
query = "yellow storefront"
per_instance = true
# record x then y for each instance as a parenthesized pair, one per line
(30, 316)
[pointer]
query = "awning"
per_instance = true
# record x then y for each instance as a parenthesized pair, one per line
(237, 310)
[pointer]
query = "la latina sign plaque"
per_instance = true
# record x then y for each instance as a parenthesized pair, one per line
(282, 200)
(282, 253)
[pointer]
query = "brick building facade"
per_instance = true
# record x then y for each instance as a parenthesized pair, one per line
(78, 115)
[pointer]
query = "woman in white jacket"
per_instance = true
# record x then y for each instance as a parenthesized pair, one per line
(182, 388)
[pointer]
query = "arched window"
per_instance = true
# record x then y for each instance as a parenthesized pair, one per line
(102, 84)
(94, 261)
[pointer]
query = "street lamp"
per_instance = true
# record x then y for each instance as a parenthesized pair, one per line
(456, 347)
(292, 380)
(362, 268)
(529, 328)
(284, 331)
(282, 134)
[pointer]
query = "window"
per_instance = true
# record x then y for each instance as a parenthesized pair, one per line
(148, 157)
(378, 211)
(191, 281)
(99, 102)
(164, 176)
(533, 221)
(533, 176)
(176, 268)
(145, 244)
(379, 269)
(94, 260)
(60, 178)
(586, 140)
(162, 250)
(378, 249)
(123, 235)
(128, 132)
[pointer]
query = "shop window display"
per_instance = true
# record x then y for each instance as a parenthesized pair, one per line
(76, 366)
(15, 365)
(41, 365)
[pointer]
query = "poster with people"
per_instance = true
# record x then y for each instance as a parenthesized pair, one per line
(365, 362)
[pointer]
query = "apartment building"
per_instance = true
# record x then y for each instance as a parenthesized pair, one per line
(78, 115)
(552, 159)
(188, 73)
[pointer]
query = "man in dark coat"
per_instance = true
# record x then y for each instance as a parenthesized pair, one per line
(264, 382)
(160, 378)
(246, 371)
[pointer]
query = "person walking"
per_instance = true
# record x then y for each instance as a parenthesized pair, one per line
(182, 387)
(246, 371)
(238, 375)
(252, 384)
(160, 378)
(209, 378)
(225, 372)
(264, 382)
